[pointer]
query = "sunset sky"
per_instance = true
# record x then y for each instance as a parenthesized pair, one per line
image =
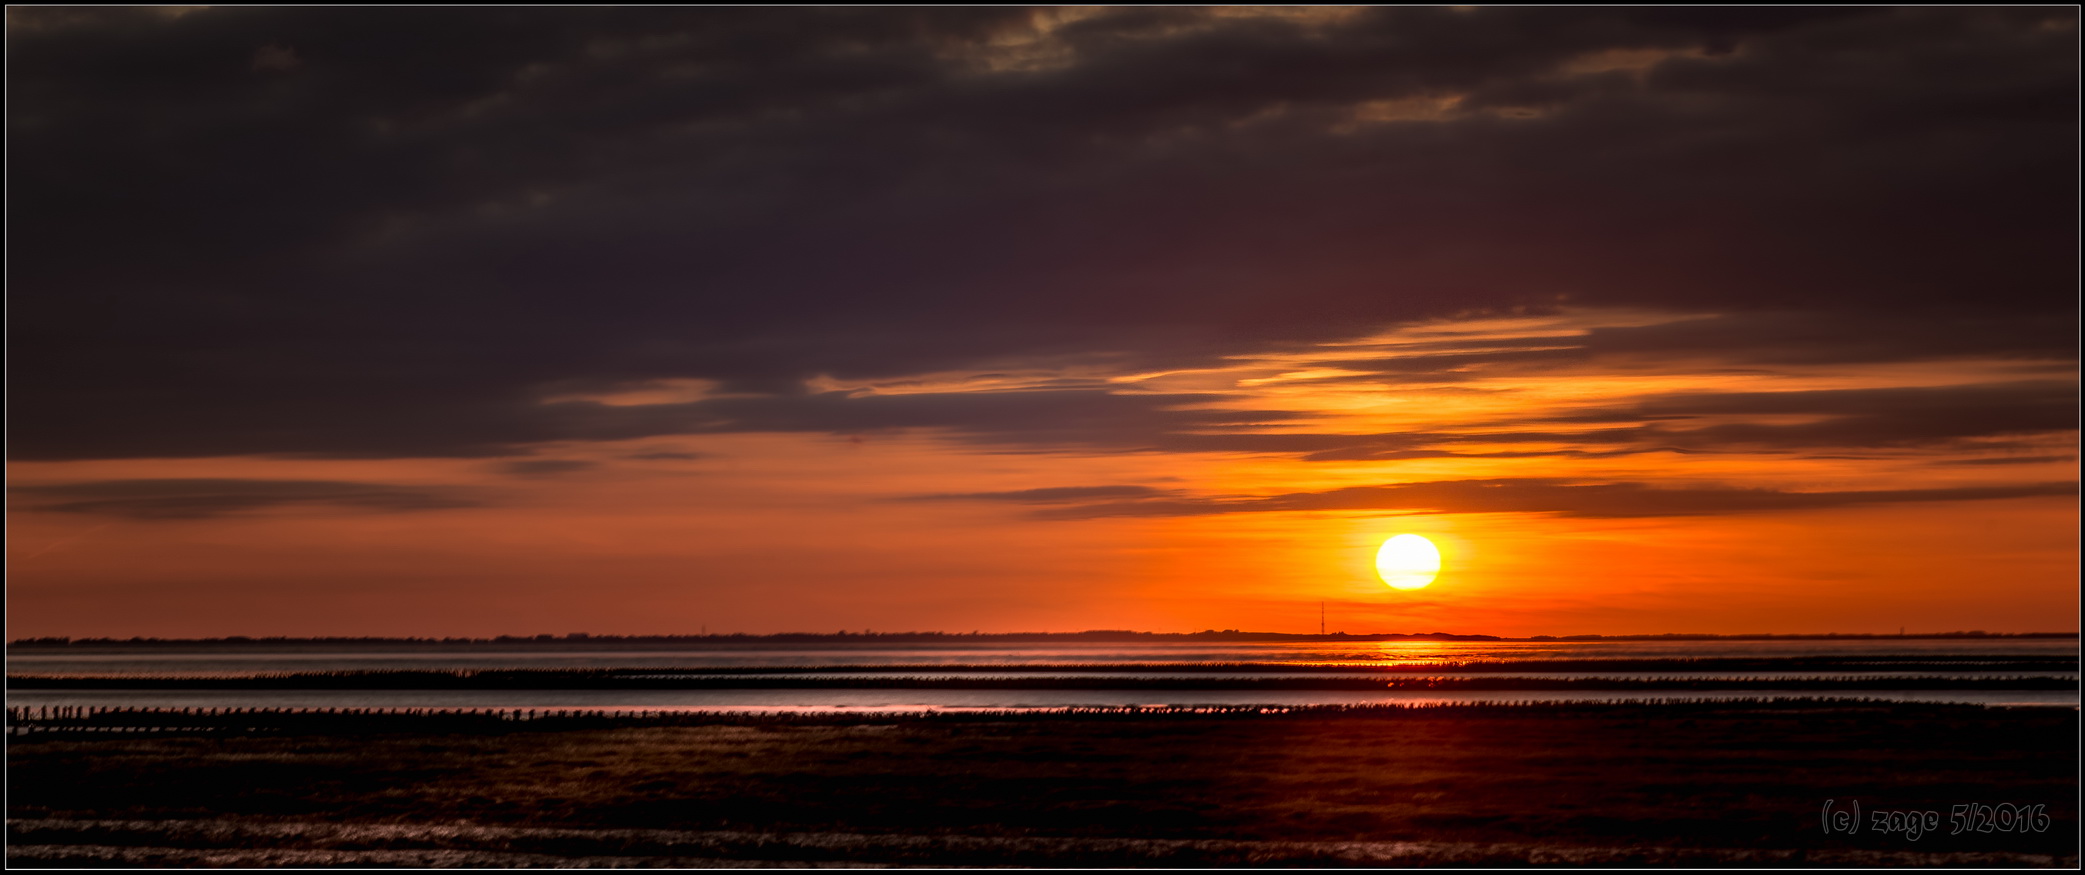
(337, 321)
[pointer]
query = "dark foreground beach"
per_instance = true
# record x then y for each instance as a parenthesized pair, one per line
(1772, 783)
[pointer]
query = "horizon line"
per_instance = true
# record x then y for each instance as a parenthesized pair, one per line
(1221, 634)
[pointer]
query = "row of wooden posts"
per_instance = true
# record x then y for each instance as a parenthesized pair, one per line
(46, 719)
(24, 720)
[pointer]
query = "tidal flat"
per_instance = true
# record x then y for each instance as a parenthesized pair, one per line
(1724, 782)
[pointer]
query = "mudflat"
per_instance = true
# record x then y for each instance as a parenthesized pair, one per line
(1648, 784)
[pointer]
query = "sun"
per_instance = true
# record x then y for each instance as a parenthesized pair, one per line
(1408, 562)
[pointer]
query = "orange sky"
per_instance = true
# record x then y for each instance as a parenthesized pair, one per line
(640, 320)
(792, 532)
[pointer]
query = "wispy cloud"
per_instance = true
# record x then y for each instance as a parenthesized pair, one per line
(1538, 496)
(199, 498)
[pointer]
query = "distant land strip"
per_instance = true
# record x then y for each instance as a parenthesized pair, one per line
(1950, 662)
(622, 680)
(1091, 636)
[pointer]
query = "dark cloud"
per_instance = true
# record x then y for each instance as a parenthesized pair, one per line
(1366, 453)
(271, 57)
(1536, 495)
(2011, 460)
(202, 498)
(1741, 340)
(1958, 417)
(545, 467)
(1882, 335)
(1099, 419)
(1849, 418)
(1035, 418)
(1052, 494)
(393, 246)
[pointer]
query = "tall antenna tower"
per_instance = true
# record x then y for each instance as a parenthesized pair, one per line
(1321, 618)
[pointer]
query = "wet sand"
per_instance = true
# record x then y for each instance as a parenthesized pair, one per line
(1651, 785)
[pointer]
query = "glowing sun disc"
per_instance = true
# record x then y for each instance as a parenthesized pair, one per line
(1408, 562)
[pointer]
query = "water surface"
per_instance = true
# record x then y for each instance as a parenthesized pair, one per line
(270, 659)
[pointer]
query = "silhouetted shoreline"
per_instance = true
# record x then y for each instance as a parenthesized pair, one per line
(1106, 636)
(1018, 673)
(710, 680)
